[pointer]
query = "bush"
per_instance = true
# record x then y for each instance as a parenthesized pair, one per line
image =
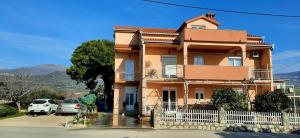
(6, 110)
(272, 102)
(229, 99)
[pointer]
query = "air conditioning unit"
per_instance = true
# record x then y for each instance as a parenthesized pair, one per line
(255, 54)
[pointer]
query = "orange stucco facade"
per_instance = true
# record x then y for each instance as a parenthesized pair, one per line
(155, 66)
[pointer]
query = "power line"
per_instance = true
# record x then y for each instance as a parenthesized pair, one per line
(221, 10)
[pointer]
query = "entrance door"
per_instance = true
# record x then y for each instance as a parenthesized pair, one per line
(130, 95)
(169, 99)
(129, 70)
(169, 66)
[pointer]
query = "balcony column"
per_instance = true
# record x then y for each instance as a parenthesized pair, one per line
(143, 83)
(244, 54)
(185, 54)
(271, 69)
(116, 101)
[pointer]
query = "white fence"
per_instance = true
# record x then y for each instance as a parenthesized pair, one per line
(190, 115)
(294, 118)
(230, 117)
(243, 117)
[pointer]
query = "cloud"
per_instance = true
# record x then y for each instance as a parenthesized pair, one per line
(286, 55)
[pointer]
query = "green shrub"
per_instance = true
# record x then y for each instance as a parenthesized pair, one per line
(229, 99)
(272, 102)
(6, 110)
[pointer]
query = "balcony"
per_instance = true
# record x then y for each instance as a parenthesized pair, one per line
(125, 77)
(167, 72)
(261, 74)
(215, 35)
(210, 72)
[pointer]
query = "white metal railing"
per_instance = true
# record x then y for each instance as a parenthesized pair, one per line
(244, 117)
(122, 76)
(261, 74)
(169, 71)
(294, 118)
(285, 88)
(231, 117)
(190, 115)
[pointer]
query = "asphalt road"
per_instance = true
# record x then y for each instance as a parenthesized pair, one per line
(40, 132)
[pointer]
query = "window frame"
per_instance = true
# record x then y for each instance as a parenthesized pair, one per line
(198, 61)
(200, 91)
(198, 27)
(234, 61)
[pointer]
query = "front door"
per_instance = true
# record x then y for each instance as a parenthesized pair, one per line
(129, 70)
(130, 95)
(169, 99)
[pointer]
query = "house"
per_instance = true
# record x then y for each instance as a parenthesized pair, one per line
(171, 67)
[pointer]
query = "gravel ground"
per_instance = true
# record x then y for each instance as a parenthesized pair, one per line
(36, 121)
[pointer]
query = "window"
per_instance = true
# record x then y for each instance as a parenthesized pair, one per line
(199, 94)
(129, 70)
(198, 27)
(51, 101)
(198, 60)
(169, 66)
(39, 101)
(234, 61)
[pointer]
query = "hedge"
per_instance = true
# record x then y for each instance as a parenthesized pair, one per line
(6, 110)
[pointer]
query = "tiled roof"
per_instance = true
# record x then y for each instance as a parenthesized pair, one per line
(214, 21)
(126, 46)
(253, 36)
(150, 30)
(161, 39)
(258, 44)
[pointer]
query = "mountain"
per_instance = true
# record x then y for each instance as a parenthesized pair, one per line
(293, 77)
(47, 75)
(43, 69)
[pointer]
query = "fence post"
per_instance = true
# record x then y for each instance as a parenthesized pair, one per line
(285, 119)
(156, 116)
(221, 116)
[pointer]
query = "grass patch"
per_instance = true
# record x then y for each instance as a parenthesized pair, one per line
(14, 115)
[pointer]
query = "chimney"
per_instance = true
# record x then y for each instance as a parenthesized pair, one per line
(210, 15)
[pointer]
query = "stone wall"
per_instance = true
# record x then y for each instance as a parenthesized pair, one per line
(221, 125)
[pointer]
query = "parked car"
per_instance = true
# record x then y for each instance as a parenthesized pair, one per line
(71, 106)
(47, 106)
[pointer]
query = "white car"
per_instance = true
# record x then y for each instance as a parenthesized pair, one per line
(47, 106)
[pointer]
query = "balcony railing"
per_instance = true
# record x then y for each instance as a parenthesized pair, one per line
(261, 74)
(211, 72)
(122, 76)
(169, 71)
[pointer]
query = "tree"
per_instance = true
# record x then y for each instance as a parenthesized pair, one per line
(15, 86)
(91, 60)
(272, 102)
(246, 88)
(229, 99)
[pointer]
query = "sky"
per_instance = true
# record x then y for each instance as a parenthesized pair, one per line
(36, 32)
